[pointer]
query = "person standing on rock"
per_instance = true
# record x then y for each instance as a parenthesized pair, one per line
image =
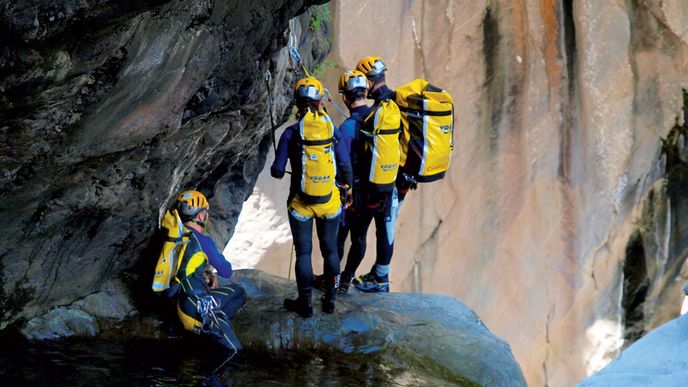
(353, 87)
(309, 145)
(203, 307)
(378, 166)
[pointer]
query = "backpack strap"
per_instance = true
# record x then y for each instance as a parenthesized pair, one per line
(372, 113)
(317, 142)
(419, 113)
(181, 239)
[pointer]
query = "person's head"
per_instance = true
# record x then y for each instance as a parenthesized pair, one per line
(308, 93)
(353, 85)
(193, 207)
(374, 69)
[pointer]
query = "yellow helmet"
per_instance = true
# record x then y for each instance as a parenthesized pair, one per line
(352, 79)
(309, 88)
(371, 66)
(191, 202)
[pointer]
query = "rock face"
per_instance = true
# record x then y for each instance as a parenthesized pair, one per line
(108, 109)
(657, 359)
(431, 334)
(560, 220)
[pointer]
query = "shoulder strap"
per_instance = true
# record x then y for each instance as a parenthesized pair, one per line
(184, 239)
(372, 114)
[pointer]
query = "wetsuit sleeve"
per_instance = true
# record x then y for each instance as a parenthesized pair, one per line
(215, 257)
(282, 154)
(342, 153)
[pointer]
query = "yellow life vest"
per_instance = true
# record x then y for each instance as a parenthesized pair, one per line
(318, 168)
(172, 252)
(427, 117)
(381, 134)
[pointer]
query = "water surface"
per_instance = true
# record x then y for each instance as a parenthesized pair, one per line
(188, 362)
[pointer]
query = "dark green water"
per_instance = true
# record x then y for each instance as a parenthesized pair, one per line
(183, 362)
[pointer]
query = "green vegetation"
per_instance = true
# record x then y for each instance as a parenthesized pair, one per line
(320, 16)
(320, 68)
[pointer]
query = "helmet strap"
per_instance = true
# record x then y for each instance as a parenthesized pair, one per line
(203, 223)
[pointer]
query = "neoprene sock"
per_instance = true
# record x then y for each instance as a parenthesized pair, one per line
(381, 271)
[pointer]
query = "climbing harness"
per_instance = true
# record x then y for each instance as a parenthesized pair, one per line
(210, 311)
(207, 306)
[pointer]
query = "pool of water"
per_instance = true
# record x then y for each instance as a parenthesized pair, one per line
(189, 362)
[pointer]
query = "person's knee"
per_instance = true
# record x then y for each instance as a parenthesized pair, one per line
(237, 294)
(241, 294)
(359, 240)
(303, 247)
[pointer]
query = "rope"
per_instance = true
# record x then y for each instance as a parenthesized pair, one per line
(291, 259)
(328, 98)
(224, 362)
(268, 80)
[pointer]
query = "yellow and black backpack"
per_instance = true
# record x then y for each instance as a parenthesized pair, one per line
(427, 117)
(164, 280)
(381, 135)
(318, 168)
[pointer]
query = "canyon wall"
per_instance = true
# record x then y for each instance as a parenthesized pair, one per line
(109, 109)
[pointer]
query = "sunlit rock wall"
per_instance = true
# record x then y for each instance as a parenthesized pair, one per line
(559, 222)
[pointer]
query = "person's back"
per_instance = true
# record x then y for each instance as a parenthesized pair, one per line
(313, 197)
(378, 167)
(353, 87)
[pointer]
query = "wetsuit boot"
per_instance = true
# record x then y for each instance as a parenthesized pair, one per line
(327, 299)
(302, 305)
(344, 283)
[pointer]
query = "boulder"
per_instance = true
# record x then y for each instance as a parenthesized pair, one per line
(59, 323)
(97, 314)
(659, 359)
(433, 333)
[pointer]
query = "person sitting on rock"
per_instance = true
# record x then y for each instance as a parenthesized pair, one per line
(204, 307)
(309, 145)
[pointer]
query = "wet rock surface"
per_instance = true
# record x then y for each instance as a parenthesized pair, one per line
(434, 334)
(108, 109)
(657, 359)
